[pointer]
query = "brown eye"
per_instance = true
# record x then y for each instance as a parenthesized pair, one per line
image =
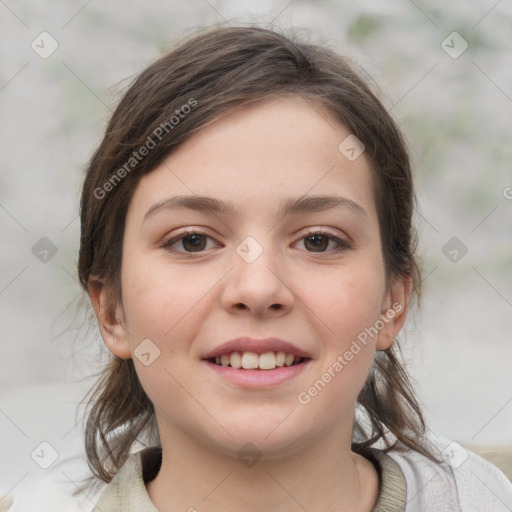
(319, 242)
(190, 242)
(194, 242)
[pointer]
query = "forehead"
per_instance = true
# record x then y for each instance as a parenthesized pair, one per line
(259, 155)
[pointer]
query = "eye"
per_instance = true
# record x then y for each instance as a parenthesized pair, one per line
(191, 241)
(319, 241)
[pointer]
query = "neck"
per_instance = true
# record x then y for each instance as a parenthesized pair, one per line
(320, 477)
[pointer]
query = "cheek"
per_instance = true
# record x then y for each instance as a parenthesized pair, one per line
(168, 305)
(157, 296)
(349, 302)
(162, 304)
(346, 314)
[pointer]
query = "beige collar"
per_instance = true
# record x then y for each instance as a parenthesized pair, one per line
(127, 491)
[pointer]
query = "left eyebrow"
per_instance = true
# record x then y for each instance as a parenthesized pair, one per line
(289, 206)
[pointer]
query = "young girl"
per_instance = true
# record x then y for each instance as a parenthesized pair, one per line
(248, 250)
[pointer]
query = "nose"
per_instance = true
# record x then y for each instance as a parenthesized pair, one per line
(257, 284)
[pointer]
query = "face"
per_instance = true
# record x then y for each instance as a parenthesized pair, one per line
(311, 275)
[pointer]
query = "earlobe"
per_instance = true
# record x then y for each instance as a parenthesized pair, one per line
(107, 314)
(394, 314)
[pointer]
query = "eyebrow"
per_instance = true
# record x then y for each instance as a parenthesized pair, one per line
(290, 206)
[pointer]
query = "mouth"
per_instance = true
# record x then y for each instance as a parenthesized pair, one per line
(265, 361)
(257, 363)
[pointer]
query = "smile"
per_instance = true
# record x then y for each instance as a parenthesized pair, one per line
(253, 361)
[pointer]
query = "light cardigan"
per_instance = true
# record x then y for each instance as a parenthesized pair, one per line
(409, 482)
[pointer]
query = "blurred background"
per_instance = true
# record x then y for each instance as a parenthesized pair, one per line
(442, 69)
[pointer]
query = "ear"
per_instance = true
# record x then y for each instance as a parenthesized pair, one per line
(108, 313)
(394, 311)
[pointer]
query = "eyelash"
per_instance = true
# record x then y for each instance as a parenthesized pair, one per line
(343, 245)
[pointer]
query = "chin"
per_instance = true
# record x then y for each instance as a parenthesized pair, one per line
(262, 438)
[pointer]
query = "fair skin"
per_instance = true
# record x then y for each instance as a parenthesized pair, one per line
(320, 298)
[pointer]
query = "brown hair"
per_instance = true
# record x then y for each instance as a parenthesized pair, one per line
(216, 72)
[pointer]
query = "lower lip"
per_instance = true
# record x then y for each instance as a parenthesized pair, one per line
(258, 378)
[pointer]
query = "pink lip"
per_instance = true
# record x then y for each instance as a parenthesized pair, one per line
(247, 344)
(258, 378)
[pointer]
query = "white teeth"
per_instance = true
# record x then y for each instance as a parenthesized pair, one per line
(289, 359)
(249, 360)
(280, 358)
(252, 361)
(267, 361)
(236, 360)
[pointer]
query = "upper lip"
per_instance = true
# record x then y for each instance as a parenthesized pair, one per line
(259, 346)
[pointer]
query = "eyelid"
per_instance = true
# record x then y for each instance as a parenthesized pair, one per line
(323, 231)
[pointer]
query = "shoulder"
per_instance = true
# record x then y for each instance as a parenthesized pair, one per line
(463, 481)
(127, 490)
